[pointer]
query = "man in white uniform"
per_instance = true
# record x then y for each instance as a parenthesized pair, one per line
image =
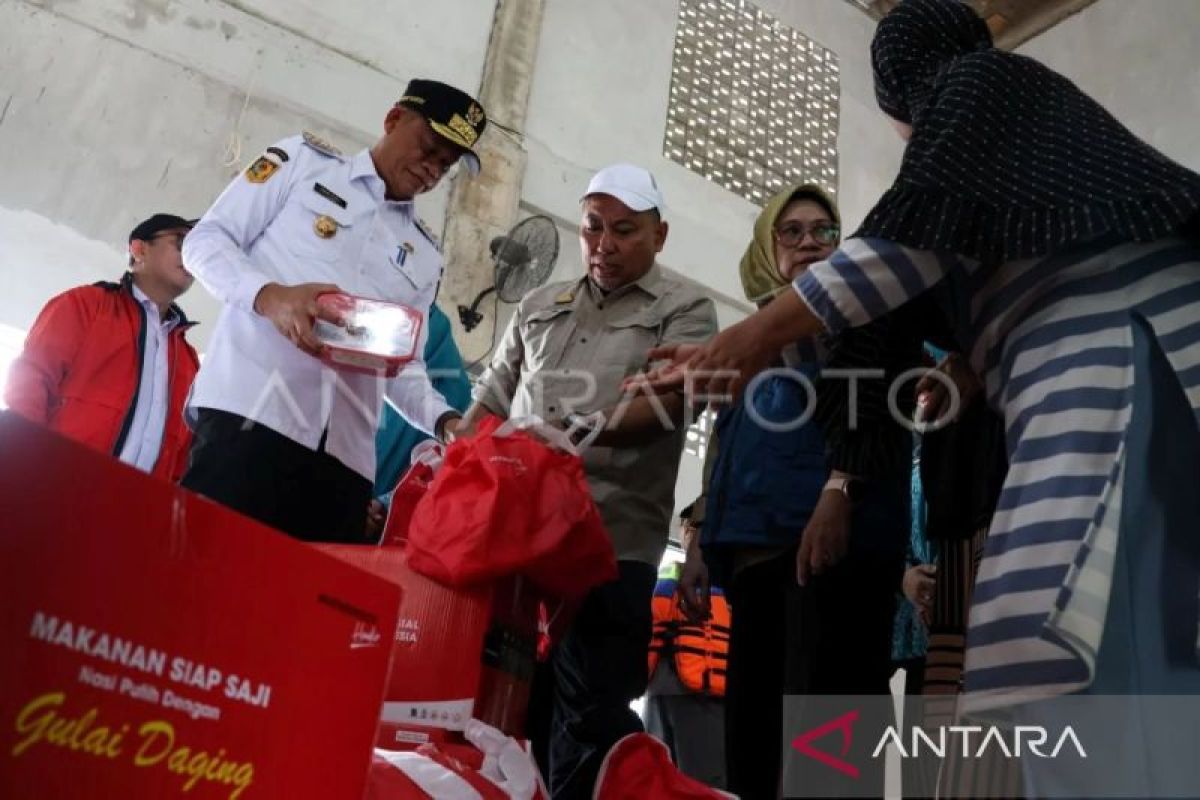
(279, 435)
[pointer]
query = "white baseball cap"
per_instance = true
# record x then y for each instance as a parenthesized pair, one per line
(632, 185)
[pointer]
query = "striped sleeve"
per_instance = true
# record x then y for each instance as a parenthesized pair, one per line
(866, 278)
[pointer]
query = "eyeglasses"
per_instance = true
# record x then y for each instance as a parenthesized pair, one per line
(823, 233)
(176, 238)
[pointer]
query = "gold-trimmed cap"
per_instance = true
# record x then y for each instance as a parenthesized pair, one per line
(452, 113)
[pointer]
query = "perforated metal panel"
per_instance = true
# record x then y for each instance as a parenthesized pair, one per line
(753, 103)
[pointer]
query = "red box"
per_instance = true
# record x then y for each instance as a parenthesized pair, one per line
(150, 636)
(374, 336)
(458, 652)
(439, 636)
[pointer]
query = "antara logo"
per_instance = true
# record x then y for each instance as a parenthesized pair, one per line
(1014, 743)
(936, 742)
(843, 724)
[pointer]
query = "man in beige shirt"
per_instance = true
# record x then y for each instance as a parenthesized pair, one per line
(565, 353)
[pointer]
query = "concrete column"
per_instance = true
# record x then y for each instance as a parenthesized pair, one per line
(485, 206)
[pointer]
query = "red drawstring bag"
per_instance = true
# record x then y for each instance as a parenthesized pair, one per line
(412, 486)
(639, 766)
(505, 502)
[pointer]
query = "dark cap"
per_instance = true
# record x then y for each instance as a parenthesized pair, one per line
(452, 113)
(146, 229)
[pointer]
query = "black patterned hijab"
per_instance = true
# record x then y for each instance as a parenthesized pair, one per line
(1008, 159)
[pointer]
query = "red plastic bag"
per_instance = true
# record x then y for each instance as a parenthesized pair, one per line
(488, 766)
(427, 772)
(639, 766)
(505, 502)
(412, 486)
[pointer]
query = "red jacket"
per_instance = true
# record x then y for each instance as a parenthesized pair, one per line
(82, 363)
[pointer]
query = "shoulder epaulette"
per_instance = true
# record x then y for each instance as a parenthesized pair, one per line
(321, 145)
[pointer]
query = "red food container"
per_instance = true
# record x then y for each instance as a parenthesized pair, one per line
(373, 337)
(142, 654)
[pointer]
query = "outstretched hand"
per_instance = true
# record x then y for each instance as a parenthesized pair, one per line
(716, 372)
(941, 397)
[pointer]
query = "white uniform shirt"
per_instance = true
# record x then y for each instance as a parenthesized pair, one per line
(144, 439)
(263, 232)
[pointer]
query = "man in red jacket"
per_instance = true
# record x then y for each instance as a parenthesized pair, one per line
(108, 364)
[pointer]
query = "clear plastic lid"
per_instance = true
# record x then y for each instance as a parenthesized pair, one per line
(372, 327)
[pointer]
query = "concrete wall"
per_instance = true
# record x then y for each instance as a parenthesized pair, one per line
(1139, 59)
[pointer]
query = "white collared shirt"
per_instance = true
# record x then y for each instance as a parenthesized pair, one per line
(143, 441)
(263, 232)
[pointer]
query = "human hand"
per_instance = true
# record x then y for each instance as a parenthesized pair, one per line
(293, 310)
(717, 371)
(826, 538)
(376, 517)
(453, 428)
(918, 586)
(669, 377)
(936, 399)
(694, 587)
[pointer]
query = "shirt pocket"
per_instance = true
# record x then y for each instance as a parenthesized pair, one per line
(318, 230)
(416, 273)
(628, 339)
(546, 333)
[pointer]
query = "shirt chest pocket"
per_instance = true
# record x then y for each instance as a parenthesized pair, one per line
(628, 338)
(411, 268)
(546, 333)
(318, 230)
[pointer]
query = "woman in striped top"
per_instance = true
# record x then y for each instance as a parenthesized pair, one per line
(1067, 248)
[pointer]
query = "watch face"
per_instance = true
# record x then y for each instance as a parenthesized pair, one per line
(854, 490)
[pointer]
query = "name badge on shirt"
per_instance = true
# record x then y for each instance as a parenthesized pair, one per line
(329, 195)
(402, 253)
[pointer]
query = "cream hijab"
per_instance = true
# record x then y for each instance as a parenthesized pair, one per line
(760, 274)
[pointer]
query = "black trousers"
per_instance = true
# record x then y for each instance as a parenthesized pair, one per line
(580, 704)
(834, 636)
(265, 475)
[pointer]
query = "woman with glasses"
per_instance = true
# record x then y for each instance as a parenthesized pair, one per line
(794, 493)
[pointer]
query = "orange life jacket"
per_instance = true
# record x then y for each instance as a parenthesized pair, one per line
(699, 650)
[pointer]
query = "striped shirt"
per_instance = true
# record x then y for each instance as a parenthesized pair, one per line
(1051, 339)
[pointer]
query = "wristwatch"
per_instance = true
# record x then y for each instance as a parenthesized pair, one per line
(851, 488)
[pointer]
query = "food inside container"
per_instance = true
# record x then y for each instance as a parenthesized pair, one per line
(372, 336)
